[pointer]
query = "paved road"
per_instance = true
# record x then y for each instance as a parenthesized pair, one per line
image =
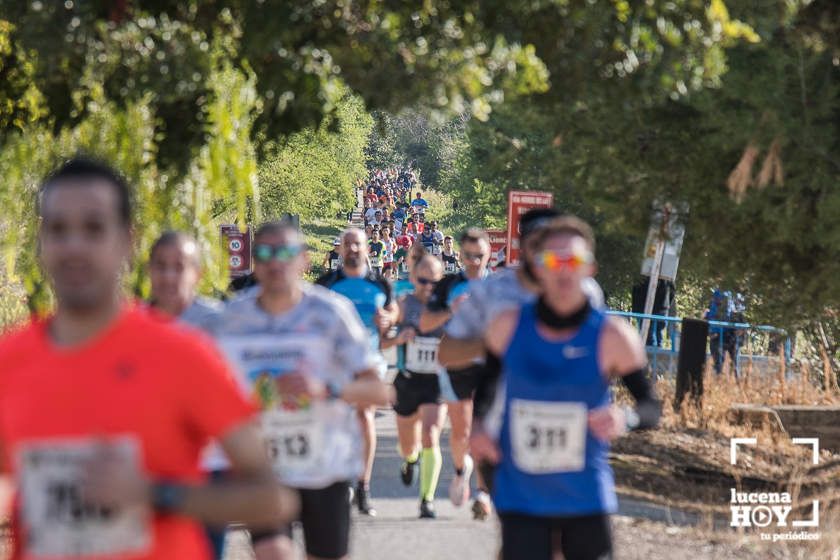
(642, 531)
(397, 533)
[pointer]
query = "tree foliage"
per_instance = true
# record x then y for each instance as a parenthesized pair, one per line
(608, 153)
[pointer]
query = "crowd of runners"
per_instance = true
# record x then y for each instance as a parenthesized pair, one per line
(395, 225)
(143, 430)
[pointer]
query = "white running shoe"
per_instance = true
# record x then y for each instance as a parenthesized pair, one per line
(482, 506)
(459, 488)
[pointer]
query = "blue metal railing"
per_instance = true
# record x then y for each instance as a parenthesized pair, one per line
(720, 333)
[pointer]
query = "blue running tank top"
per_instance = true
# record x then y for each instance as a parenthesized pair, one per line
(552, 465)
(368, 293)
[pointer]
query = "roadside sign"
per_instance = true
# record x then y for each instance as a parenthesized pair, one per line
(498, 242)
(520, 202)
(671, 234)
(238, 247)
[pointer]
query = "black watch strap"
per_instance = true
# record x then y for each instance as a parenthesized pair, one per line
(168, 497)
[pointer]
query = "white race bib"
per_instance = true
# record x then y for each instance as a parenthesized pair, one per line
(421, 354)
(375, 262)
(548, 437)
(58, 521)
(334, 264)
(436, 250)
(295, 441)
(449, 268)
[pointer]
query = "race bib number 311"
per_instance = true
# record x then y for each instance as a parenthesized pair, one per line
(59, 522)
(548, 437)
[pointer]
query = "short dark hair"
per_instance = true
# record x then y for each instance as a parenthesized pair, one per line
(275, 227)
(85, 168)
(473, 235)
(173, 237)
(571, 225)
(535, 218)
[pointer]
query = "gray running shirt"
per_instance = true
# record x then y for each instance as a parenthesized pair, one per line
(496, 293)
(203, 313)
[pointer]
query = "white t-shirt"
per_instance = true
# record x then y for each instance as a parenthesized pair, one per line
(312, 445)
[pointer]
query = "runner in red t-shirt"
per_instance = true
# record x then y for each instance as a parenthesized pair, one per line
(104, 409)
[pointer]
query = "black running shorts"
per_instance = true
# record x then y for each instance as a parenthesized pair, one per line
(464, 381)
(414, 390)
(325, 516)
(528, 537)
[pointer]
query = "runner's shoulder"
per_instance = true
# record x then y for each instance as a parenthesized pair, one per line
(149, 333)
(329, 278)
(621, 340)
(19, 342)
(501, 328)
(323, 299)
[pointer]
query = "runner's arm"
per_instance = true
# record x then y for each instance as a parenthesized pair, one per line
(389, 342)
(367, 390)
(623, 356)
(458, 352)
(432, 320)
(496, 340)
(7, 488)
(252, 497)
(437, 312)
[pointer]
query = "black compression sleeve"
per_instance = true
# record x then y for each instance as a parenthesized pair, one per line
(648, 408)
(485, 387)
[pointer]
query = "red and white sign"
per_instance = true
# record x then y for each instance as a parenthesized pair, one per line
(498, 242)
(238, 247)
(520, 202)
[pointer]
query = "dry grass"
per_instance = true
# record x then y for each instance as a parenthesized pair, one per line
(685, 464)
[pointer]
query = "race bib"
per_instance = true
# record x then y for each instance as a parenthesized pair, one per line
(334, 264)
(376, 262)
(449, 268)
(548, 437)
(59, 523)
(421, 354)
(403, 267)
(295, 441)
(436, 250)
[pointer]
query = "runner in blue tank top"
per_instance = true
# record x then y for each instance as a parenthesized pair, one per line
(553, 485)
(373, 298)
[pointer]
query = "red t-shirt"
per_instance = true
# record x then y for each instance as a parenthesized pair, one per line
(161, 390)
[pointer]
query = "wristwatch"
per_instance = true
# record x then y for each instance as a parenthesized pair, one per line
(333, 391)
(168, 497)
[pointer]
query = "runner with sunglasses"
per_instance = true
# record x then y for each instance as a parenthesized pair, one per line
(419, 401)
(373, 298)
(304, 355)
(550, 427)
(459, 385)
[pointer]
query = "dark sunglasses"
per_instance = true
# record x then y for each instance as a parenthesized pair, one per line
(426, 281)
(282, 253)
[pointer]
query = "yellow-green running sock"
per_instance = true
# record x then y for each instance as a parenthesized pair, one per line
(430, 463)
